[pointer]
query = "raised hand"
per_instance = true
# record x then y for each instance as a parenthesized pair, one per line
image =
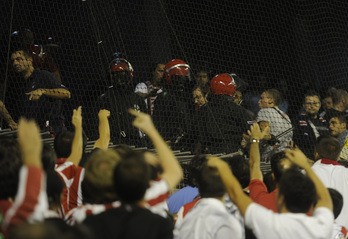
(77, 117)
(143, 121)
(256, 133)
(297, 157)
(30, 142)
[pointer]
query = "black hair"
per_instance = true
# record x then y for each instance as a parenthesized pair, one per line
(276, 165)
(63, 143)
(240, 169)
(328, 147)
(311, 93)
(131, 179)
(207, 179)
(10, 163)
(54, 188)
(298, 191)
(337, 201)
(48, 158)
(337, 96)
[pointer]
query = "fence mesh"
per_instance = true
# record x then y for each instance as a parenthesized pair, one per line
(292, 46)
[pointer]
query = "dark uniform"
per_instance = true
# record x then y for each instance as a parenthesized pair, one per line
(221, 124)
(118, 102)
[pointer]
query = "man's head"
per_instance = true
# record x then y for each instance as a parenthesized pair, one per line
(296, 192)
(22, 61)
(337, 201)
(327, 147)
(131, 179)
(327, 103)
(157, 74)
(279, 164)
(337, 125)
(10, 163)
(177, 76)
(207, 179)
(98, 185)
(202, 77)
(340, 99)
(200, 94)
(63, 142)
(270, 98)
(121, 72)
(240, 169)
(312, 103)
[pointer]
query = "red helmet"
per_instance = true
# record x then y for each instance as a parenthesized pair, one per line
(223, 84)
(120, 64)
(176, 67)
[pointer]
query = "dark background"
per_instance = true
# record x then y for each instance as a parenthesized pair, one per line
(290, 45)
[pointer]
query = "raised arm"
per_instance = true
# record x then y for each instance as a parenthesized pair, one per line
(233, 188)
(58, 93)
(298, 158)
(172, 171)
(254, 158)
(77, 144)
(104, 130)
(31, 199)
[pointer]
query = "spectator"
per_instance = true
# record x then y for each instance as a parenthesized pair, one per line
(338, 128)
(331, 173)
(150, 89)
(209, 217)
(337, 202)
(42, 101)
(279, 123)
(292, 221)
(340, 104)
(202, 77)
(309, 125)
(200, 95)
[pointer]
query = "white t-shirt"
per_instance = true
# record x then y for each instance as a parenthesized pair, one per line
(279, 123)
(209, 219)
(269, 225)
(336, 177)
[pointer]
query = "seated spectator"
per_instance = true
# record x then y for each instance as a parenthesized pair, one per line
(338, 128)
(279, 123)
(209, 217)
(292, 221)
(200, 95)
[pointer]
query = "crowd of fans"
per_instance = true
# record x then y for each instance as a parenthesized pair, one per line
(125, 193)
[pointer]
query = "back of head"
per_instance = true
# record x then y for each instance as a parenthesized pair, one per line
(276, 96)
(207, 179)
(277, 166)
(298, 191)
(223, 84)
(48, 157)
(54, 189)
(10, 163)
(337, 201)
(98, 183)
(131, 179)
(240, 169)
(328, 147)
(63, 143)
